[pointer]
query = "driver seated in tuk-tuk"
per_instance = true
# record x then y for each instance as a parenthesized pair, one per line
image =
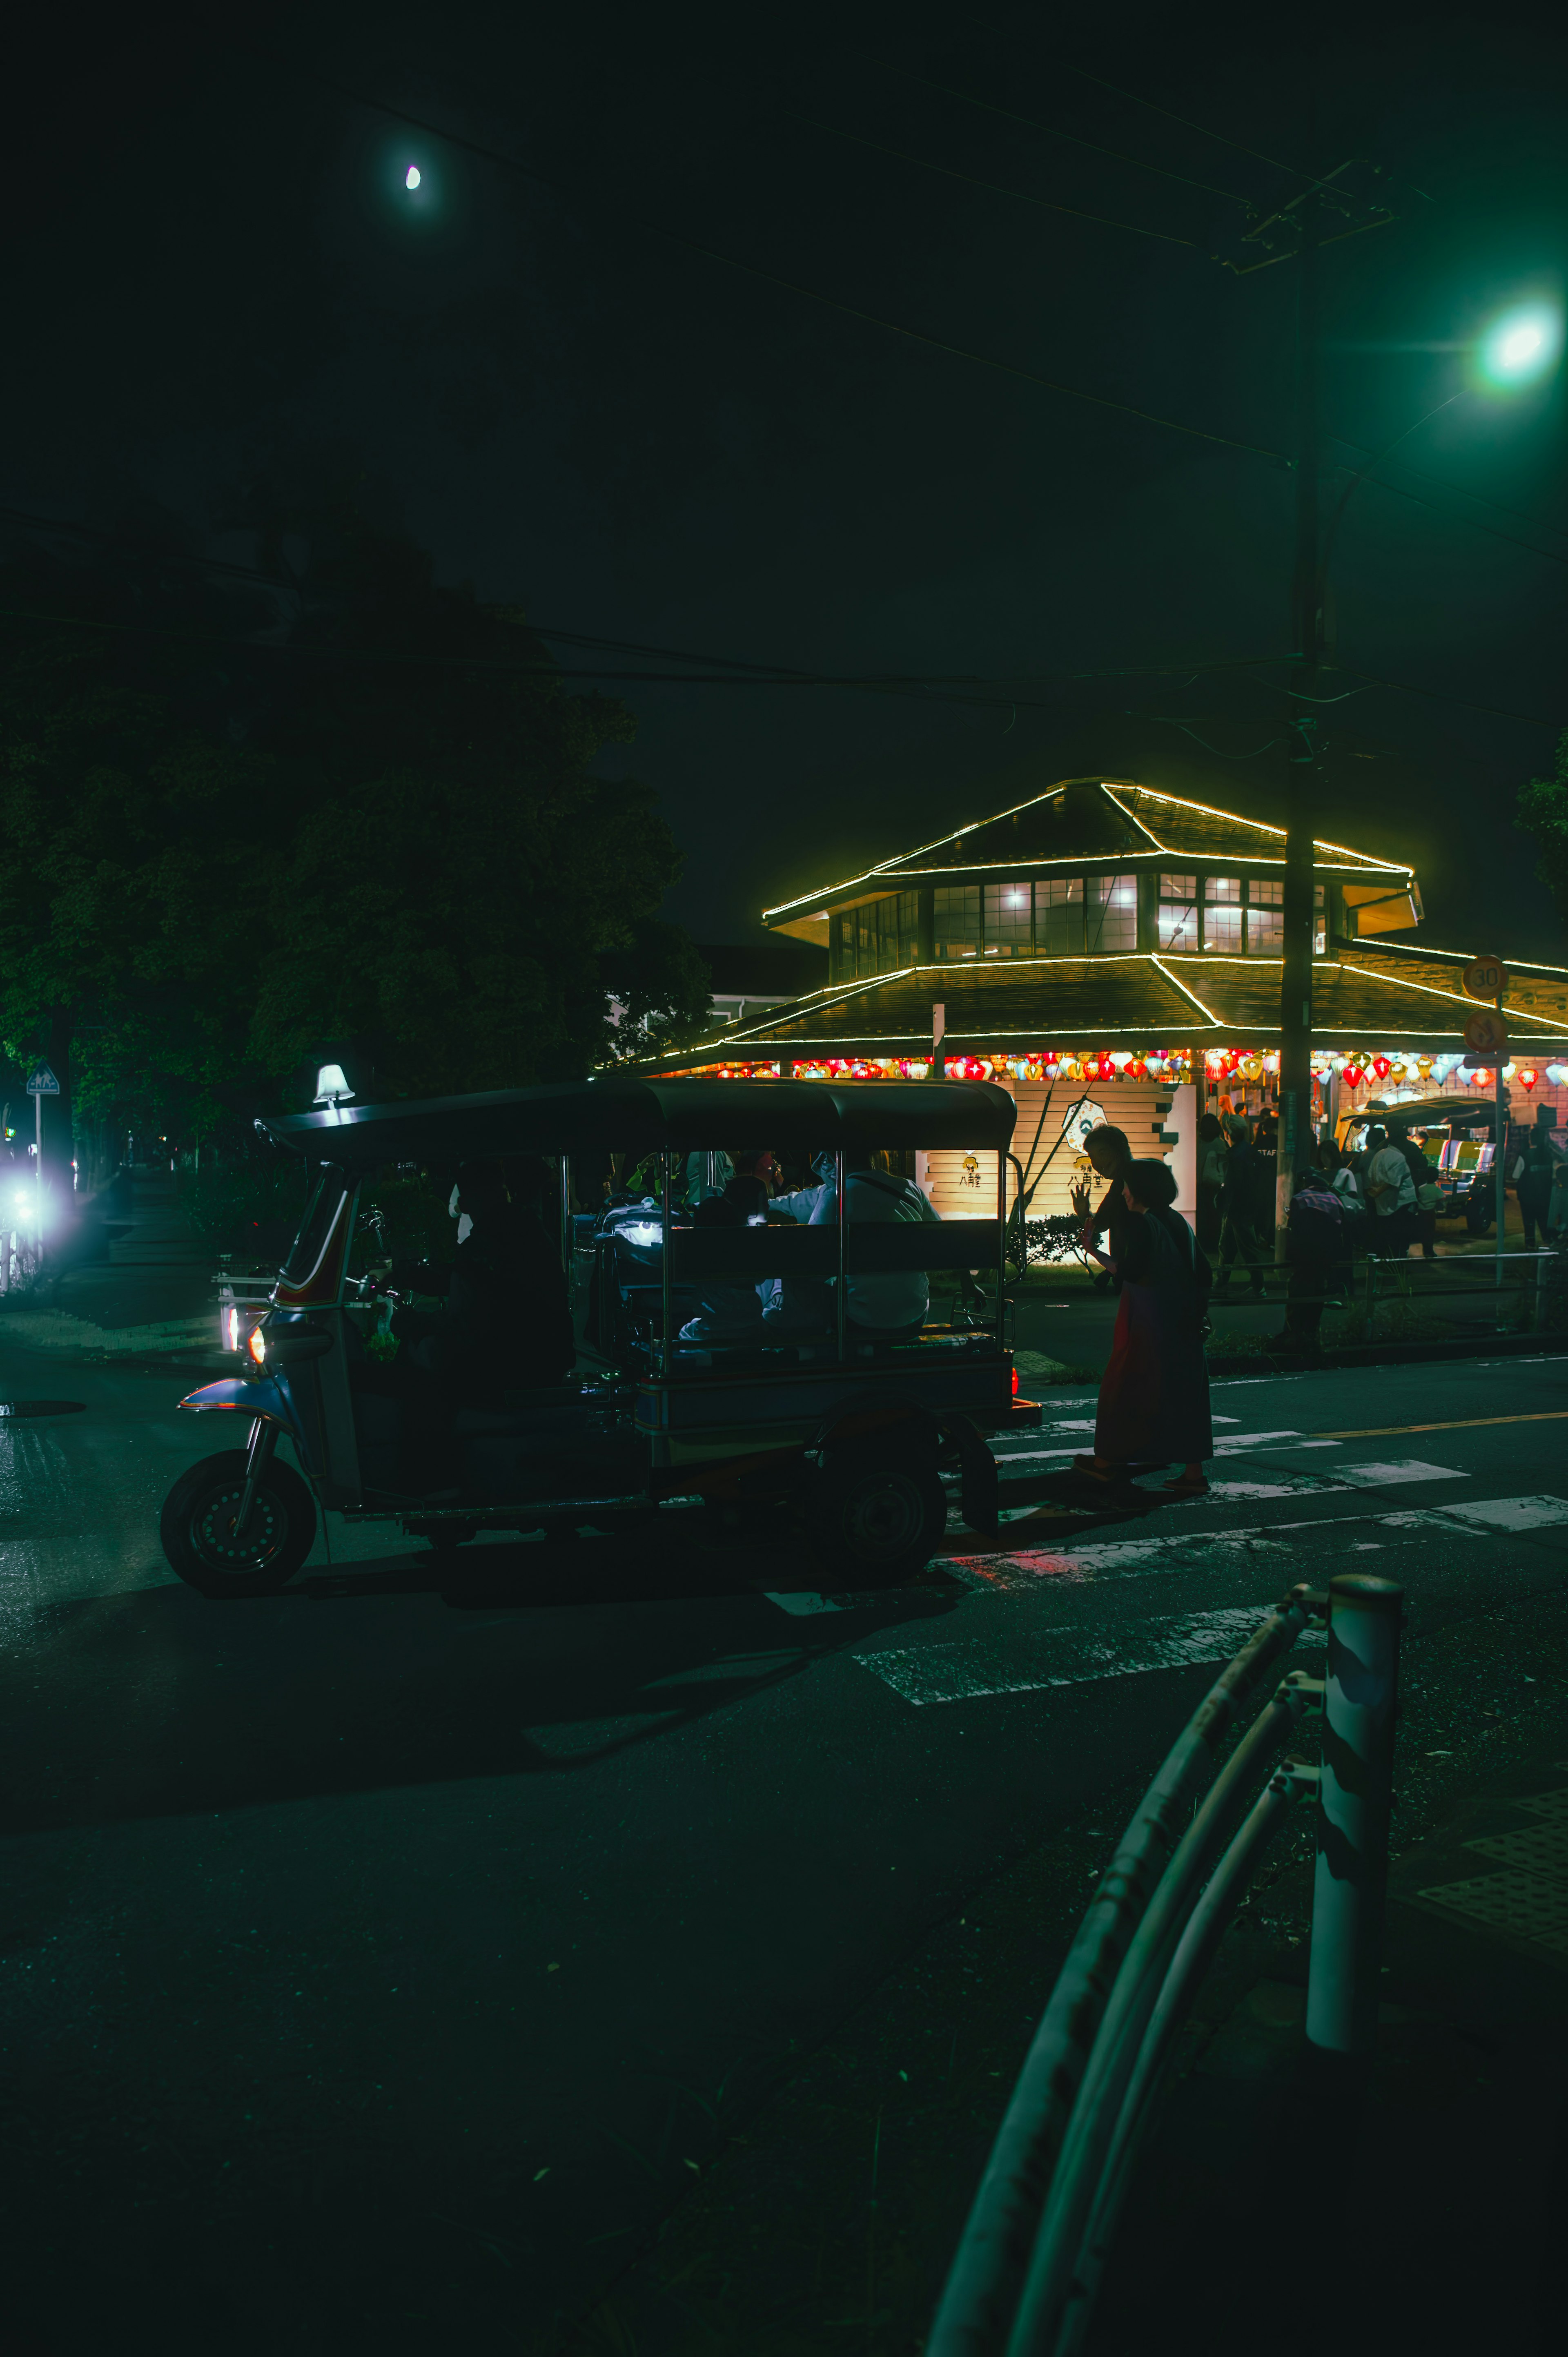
(886, 1309)
(505, 1320)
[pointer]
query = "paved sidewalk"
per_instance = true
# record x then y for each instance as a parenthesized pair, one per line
(1420, 2209)
(153, 1296)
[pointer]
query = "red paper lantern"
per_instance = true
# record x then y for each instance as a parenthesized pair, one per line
(1382, 1066)
(1355, 1075)
(1139, 1069)
(1527, 1079)
(1105, 1069)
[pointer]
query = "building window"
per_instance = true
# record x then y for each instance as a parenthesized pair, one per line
(1009, 926)
(844, 936)
(1178, 912)
(909, 928)
(1265, 918)
(1222, 914)
(1058, 917)
(1319, 923)
(1113, 914)
(957, 915)
(886, 916)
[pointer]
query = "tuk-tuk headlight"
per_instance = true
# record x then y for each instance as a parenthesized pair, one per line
(257, 1347)
(231, 1327)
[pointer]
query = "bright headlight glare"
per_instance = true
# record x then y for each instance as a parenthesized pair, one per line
(257, 1347)
(232, 1326)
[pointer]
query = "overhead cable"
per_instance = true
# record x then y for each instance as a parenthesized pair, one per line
(1019, 196)
(791, 285)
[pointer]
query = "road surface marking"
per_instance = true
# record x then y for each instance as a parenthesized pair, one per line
(799, 1600)
(1025, 1570)
(1404, 1468)
(1064, 1656)
(1513, 1513)
(1460, 1424)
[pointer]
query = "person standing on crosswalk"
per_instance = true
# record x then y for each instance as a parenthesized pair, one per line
(1154, 1398)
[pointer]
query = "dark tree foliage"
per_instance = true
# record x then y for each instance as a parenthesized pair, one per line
(406, 859)
(1544, 813)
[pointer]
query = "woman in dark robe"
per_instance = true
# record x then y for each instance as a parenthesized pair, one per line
(1153, 1400)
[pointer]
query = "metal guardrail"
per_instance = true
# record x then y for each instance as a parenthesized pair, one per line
(1432, 1283)
(1041, 2230)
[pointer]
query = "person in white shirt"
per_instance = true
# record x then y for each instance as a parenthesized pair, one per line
(1392, 1191)
(886, 1309)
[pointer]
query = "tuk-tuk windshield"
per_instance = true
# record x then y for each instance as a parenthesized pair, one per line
(305, 1255)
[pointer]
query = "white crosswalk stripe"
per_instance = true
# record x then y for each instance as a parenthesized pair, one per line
(962, 1671)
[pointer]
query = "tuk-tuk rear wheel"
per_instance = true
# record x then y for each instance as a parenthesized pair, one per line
(197, 1527)
(874, 1516)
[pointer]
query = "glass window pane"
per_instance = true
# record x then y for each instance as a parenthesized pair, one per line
(891, 953)
(1178, 888)
(1263, 892)
(1178, 924)
(1058, 917)
(1265, 933)
(1113, 914)
(956, 921)
(1222, 929)
(908, 927)
(1222, 888)
(1008, 920)
(847, 946)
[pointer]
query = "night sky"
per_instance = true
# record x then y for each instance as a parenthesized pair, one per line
(224, 306)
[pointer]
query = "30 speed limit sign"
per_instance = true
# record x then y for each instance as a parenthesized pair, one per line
(1487, 977)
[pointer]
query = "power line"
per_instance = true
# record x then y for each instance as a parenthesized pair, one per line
(1072, 139)
(1455, 490)
(1019, 196)
(792, 285)
(1469, 524)
(733, 672)
(1441, 695)
(1201, 129)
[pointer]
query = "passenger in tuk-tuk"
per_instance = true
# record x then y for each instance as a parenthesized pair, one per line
(728, 1313)
(890, 1309)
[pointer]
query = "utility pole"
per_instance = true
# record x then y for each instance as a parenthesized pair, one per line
(1325, 213)
(1302, 773)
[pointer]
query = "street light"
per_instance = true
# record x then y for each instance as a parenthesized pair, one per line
(1522, 347)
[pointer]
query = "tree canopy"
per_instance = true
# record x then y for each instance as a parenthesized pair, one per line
(385, 842)
(1544, 813)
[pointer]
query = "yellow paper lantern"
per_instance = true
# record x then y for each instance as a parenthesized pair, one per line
(1251, 1068)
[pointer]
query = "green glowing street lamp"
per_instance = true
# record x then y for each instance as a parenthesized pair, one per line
(1522, 347)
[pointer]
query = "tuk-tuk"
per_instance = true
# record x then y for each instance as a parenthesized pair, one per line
(845, 1429)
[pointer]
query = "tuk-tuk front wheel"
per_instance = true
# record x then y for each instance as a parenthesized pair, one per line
(197, 1527)
(875, 1518)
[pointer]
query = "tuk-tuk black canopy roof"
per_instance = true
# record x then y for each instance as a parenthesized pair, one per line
(636, 1115)
(1431, 1113)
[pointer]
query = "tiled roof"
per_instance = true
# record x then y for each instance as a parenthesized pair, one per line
(1138, 1000)
(1088, 820)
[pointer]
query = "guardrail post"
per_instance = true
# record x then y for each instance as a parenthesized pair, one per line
(1355, 1792)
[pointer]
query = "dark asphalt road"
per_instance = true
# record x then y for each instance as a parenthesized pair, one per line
(373, 1969)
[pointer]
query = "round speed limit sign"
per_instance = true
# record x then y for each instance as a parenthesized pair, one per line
(1487, 977)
